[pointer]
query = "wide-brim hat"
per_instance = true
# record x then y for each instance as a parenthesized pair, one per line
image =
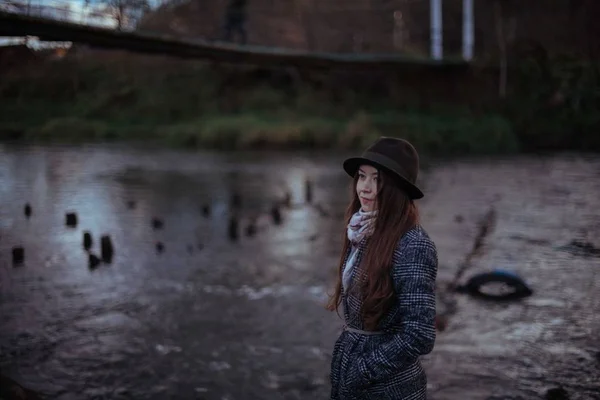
(396, 156)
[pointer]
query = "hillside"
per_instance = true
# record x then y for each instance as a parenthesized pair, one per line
(551, 98)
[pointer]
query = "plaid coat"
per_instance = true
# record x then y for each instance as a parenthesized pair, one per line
(387, 366)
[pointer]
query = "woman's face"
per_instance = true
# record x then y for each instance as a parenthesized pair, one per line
(367, 186)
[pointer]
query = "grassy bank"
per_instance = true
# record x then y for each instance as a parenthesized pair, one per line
(178, 103)
(456, 135)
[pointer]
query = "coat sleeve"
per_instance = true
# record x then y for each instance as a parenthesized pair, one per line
(414, 274)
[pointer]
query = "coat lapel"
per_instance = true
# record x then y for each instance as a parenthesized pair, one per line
(356, 271)
(351, 298)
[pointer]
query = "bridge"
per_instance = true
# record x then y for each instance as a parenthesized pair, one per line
(47, 29)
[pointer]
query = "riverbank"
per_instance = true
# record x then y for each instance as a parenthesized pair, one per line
(120, 97)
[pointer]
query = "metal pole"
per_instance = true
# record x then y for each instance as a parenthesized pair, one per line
(468, 30)
(436, 29)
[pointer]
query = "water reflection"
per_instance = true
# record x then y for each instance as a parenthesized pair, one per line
(56, 302)
(214, 318)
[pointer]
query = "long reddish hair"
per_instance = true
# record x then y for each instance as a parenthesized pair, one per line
(397, 214)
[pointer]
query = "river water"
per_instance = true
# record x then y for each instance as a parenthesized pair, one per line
(213, 318)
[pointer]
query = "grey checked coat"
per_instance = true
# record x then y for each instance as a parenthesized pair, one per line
(387, 366)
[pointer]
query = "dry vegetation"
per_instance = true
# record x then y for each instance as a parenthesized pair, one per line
(547, 97)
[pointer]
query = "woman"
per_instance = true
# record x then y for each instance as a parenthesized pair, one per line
(386, 280)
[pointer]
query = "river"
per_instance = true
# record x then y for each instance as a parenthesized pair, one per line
(183, 311)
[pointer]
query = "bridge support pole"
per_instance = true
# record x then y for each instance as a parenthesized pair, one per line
(468, 30)
(436, 29)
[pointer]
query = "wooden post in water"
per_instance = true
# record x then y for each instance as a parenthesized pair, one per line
(87, 240)
(107, 249)
(308, 192)
(18, 255)
(437, 52)
(468, 30)
(232, 229)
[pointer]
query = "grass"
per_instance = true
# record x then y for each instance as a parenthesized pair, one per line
(193, 105)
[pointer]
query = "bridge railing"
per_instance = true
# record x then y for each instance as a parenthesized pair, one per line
(397, 27)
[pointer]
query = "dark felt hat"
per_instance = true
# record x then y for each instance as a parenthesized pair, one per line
(396, 156)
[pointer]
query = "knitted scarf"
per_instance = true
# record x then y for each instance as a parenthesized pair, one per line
(361, 225)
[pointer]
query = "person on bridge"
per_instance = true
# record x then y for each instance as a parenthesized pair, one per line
(235, 20)
(386, 280)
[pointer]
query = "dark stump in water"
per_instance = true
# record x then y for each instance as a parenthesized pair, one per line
(18, 255)
(232, 229)
(251, 228)
(276, 215)
(27, 210)
(308, 187)
(87, 240)
(71, 220)
(93, 261)
(157, 223)
(106, 249)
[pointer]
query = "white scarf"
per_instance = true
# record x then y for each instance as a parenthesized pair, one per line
(361, 225)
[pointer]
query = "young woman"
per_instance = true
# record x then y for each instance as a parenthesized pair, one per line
(386, 280)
